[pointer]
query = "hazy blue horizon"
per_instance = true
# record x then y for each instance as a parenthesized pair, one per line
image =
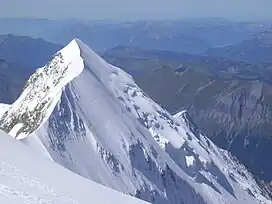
(139, 20)
(240, 10)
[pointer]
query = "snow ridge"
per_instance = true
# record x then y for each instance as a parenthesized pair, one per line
(102, 126)
(42, 92)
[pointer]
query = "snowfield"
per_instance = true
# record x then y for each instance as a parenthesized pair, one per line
(91, 118)
(32, 179)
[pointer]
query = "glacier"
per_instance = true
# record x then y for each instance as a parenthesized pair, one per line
(92, 118)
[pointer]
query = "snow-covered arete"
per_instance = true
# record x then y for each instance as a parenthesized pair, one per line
(105, 128)
(42, 92)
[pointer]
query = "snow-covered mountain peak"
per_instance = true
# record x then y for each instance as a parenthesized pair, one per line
(98, 123)
(42, 92)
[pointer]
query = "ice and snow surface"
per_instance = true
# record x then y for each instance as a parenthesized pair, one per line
(32, 179)
(190, 160)
(105, 128)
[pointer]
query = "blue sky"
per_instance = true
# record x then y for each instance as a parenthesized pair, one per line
(137, 9)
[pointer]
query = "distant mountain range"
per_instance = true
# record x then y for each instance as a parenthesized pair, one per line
(256, 50)
(12, 80)
(25, 51)
(190, 36)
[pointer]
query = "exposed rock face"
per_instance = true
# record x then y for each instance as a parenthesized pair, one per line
(235, 113)
(239, 120)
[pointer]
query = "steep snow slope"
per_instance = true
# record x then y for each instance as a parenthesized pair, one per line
(102, 126)
(35, 180)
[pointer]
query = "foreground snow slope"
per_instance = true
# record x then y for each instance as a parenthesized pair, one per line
(102, 126)
(26, 178)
